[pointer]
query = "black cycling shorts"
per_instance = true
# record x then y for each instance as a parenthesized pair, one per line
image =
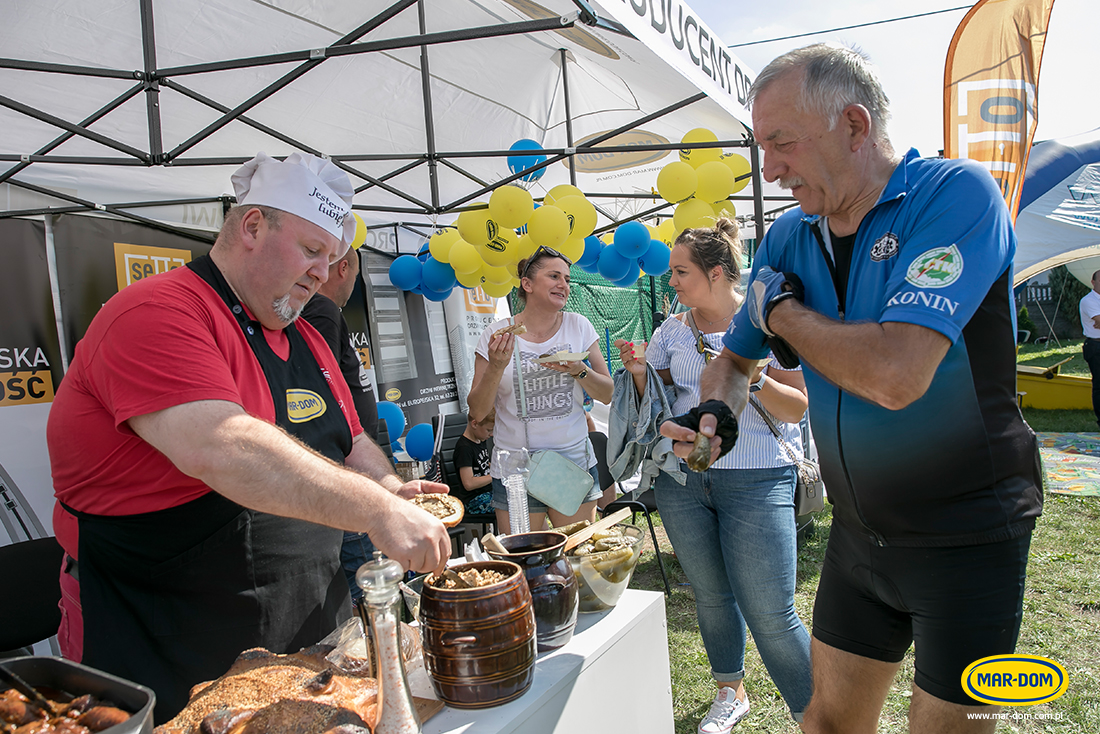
(959, 604)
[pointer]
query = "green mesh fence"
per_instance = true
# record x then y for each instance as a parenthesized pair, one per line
(618, 313)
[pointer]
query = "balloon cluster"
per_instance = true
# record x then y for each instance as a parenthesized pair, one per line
(700, 183)
(485, 247)
(625, 254)
(420, 441)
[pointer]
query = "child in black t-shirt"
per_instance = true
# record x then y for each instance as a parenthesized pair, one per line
(473, 452)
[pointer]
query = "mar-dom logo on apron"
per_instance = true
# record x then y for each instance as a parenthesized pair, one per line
(304, 405)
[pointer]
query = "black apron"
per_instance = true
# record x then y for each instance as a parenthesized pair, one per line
(170, 598)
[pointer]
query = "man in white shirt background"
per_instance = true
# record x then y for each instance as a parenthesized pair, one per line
(1090, 324)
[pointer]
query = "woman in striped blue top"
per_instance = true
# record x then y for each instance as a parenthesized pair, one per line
(732, 526)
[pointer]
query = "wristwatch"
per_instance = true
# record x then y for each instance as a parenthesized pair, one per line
(581, 375)
(755, 387)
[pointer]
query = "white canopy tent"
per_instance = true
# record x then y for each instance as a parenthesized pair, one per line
(143, 109)
(1059, 219)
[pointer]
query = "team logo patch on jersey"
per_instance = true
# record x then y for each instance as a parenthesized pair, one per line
(885, 247)
(936, 268)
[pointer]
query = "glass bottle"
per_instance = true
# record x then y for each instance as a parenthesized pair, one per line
(378, 579)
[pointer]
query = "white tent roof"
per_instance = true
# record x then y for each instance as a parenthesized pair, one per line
(101, 116)
(1059, 219)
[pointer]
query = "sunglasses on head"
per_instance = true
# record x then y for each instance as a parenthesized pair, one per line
(543, 250)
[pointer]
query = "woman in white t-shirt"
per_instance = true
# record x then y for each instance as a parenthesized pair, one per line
(732, 526)
(553, 392)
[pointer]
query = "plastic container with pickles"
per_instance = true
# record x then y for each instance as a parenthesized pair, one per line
(604, 565)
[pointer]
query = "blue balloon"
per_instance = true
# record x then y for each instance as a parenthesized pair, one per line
(405, 272)
(519, 163)
(631, 276)
(394, 417)
(591, 256)
(437, 276)
(424, 253)
(437, 296)
(655, 259)
(420, 443)
(612, 265)
(631, 239)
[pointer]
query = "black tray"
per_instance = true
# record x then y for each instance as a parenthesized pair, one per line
(63, 675)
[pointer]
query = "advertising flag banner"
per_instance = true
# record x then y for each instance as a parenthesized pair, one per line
(991, 82)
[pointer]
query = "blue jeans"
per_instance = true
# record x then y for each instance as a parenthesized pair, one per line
(356, 550)
(734, 535)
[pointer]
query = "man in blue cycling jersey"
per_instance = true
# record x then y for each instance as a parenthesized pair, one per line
(891, 283)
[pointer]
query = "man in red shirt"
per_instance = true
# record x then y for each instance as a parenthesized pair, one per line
(196, 444)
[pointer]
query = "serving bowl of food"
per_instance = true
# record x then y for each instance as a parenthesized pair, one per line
(604, 565)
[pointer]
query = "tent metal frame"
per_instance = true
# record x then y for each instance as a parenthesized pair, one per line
(150, 80)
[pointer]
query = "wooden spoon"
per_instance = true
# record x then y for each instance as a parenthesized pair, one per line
(490, 543)
(585, 533)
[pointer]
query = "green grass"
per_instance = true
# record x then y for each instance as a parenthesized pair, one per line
(1061, 621)
(1044, 355)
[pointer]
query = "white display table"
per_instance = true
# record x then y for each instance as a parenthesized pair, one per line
(612, 676)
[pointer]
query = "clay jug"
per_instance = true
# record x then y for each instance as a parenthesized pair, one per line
(553, 584)
(479, 644)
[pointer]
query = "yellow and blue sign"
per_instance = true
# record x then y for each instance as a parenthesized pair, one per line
(1014, 680)
(304, 405)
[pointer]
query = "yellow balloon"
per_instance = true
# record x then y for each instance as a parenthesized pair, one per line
(497, 275)
(501, 250)
(581, 213)
(360, 232)
(666, 232)
(515, 282)
(560, 192)
(693, 214)
(525, 247)
(698, 156)
(496, 290)
(470, 280)
(740, 166)
(572, 248)
(549, 226)
(511, 206)
(441, 243)
(465, 258)
(725, 209)
(676, 182)
(477, 226)
(715, 181)
(608, 238)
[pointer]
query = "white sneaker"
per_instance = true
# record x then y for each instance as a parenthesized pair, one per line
(726, 711)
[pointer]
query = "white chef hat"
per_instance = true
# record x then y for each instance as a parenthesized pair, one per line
(304, 185)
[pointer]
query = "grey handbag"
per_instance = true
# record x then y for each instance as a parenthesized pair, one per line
(551, 478)
(809, 490)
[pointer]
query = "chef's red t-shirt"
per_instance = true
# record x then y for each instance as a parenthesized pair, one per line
(158, 343)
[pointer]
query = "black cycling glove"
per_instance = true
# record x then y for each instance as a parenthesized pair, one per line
(727, 422)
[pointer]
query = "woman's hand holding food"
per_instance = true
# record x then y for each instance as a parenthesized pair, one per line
(500, 350)
(633, 356)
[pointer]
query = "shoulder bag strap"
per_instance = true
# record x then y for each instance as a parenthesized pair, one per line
(700, 345)
(778, 437)
(521, 399)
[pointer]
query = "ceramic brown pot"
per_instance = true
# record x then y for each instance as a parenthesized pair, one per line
(554, 593)
(479, 644)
